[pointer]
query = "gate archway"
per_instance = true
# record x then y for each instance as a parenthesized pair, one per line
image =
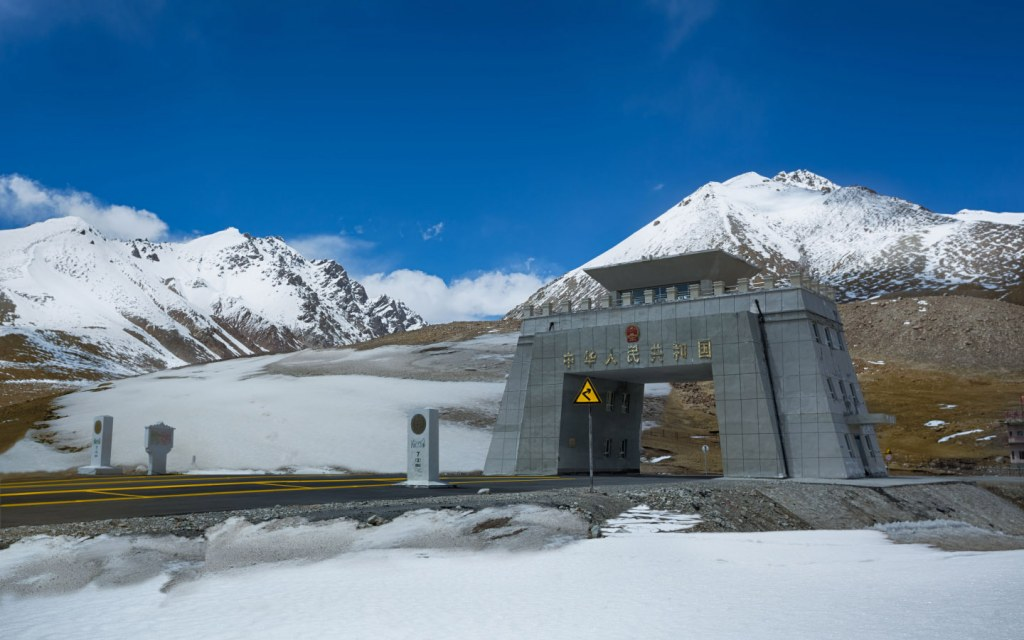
(786, 395)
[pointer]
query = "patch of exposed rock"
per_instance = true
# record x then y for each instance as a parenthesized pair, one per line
(952, 332)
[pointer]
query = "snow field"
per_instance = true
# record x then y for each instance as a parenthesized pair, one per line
(334, 579)
(230, 415)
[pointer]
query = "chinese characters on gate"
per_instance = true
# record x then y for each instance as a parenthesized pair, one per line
(654, 354)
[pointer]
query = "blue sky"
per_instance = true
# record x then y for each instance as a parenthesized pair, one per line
(488, 145)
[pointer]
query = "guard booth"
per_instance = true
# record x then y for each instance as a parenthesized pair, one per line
(787, 398)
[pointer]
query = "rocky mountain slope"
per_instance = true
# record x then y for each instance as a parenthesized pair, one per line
(955, 333)
(863, 243)
(90, 307)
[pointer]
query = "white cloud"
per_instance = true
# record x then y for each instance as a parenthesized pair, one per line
(434, 231)
(339, 247)
(24, 201)
(485, 296)
(658, 187)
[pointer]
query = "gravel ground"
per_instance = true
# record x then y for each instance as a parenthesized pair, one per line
(986, 520)
(948, 332)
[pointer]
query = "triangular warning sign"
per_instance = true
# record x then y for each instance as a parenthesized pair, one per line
(588, 394)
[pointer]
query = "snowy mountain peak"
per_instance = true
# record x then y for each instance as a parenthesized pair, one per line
(862, 242)
(137, 305)
(806, 180)
(59, 226)
(748, 179)
(975, 215)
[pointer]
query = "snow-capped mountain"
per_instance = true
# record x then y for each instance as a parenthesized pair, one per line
(109, 307)
(863, 243)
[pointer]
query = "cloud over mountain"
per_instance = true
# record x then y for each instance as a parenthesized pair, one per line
(23, 201)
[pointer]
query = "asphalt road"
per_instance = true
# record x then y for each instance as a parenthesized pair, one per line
(52, 501)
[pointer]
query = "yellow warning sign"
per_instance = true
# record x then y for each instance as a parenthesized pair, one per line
(588, 394)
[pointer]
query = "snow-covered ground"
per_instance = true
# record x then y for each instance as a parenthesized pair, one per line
(466, 575)
(236, 415)
(313, 411)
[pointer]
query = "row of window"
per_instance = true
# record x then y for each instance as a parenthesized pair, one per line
(619, 398)
(638, 296)
(623, 448)
(834, 339)
(864, 443)
(850, 399)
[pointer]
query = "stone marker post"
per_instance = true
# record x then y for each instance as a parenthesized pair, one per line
(159, 442)
(422, 451)
(102, 439)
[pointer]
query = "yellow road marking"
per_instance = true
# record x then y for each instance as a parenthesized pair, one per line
(112, 480)
(181, 495)
(111, 493)
(184, 480)
(241, 477)
(145, 487)
(343, 485)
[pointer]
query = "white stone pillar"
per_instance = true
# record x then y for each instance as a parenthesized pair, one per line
(422, 453)
(102, 441)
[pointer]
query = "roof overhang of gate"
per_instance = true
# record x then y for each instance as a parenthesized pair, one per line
(685, 267)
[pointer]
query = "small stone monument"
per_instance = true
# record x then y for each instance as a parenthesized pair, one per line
(159, 442)
(102, 436)
(423, 450)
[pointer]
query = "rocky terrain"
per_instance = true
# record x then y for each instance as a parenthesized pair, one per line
(955, 333)
(963, 515)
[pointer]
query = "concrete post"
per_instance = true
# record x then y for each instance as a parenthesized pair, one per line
(719, 288)
(159, 442)
(769, 282)
(648, 296)
(694, 291)
(627, 298)
(610, 301)
(422, 453)
(796, 279)
(743, 285)
(102, 441)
